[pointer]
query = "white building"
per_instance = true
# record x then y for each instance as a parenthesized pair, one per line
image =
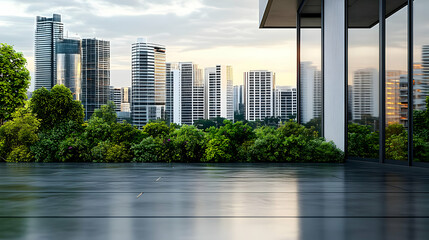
(148, 82)
(126, 99)
(219, 92)
(48, 32)
(311, 92)
(259, 94)
(365, 94)
(285, 102)
(173, 106)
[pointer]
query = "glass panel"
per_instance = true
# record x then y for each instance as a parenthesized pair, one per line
(396, 85)
(421, 81)
(311, 78)
(363, 91)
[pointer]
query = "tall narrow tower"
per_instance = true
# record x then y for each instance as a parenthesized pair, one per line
(148, 82)
(48, 31)
(219, 92)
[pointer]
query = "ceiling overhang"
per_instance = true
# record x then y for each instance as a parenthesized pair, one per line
(283, 13)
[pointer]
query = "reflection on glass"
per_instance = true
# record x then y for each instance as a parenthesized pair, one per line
(421, 82)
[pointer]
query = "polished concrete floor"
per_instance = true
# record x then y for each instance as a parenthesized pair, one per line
(219, 201)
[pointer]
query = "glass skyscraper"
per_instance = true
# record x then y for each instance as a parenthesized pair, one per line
(148, 82)
(48, 31)
(95, 74)
(68, 65)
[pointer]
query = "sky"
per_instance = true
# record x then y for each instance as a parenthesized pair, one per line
(206, 32)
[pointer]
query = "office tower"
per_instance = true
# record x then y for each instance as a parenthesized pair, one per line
(285, 102)
(115, 97)
(68, 60)
(126, 99)
(393, 99)
(48, 31)
(420, 92)
(95, 74)
(365, 94)
(173, 105)
(148, 82)
(219, 92)
(238, 99)
(311, 92)
(259, 94)
(192, 93)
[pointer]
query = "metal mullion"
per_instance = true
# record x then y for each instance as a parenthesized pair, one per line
(346, 77)
(298, 65)
(382, 90)
(410, 81)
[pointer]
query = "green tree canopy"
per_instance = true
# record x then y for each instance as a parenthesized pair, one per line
(14, 81)
(56, 106)
(106, 112)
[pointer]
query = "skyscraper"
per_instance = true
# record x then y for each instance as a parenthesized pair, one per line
(192, 93)
(148, 82)
(238, 99)
(311, 92)
(173, 105)
(259, 94)
(95, 74)
(126, 99)
(115, 97)
(68, 60)
(285, 102)
(393, 99)
(48, 31)
(365, 94)
(219, 92)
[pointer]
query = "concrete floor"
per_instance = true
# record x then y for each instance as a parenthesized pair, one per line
(219, 201)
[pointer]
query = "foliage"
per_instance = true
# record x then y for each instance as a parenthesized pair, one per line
(56, 106)
(14, 81)
(147, 150)
(106, 112)
(218, 150)
(157, 129)
(190, 143)
(17, 135)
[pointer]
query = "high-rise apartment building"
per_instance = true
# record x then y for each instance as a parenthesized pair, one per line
(148, 82)
(285, 102)
(48, 31)
(311, 92)
(238, 99)
(95, 74)
(192, 93)
(126, 99)
(69, 65)
(259, 94)
(365, 94)
(115, 97)
(173, 105)
(393, 98)
(219, 92)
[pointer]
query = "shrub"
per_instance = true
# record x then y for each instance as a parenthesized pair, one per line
(147, 150)
(218, 150)
(20, 154)
(189, 143)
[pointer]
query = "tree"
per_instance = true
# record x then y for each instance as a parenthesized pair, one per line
(106, 112)
(56, 106)
(17, 135)
(14, 81)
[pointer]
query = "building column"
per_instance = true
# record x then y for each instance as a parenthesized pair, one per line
(335, 72)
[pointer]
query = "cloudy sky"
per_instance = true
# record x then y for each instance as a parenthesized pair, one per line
(207, 32)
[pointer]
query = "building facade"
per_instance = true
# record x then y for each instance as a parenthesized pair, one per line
(95, 74)
(238, 99)
(285, 103)
(365, 94)
(69, 65)
(48, 32)
(311, 98)
(126, 99)
(219, 92)
(148, 82)
(192, 93)
(259, 94)
(173, 105)
(115, 97)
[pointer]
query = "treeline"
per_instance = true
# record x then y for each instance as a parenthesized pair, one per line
(50, 128)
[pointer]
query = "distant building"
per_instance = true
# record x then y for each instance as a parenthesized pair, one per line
(69, 65)
(259, 94)
(126, 99)
(115, 97)
(285, 103)
(95, 74)
(393, 98)
(311, 92)
(238, 99)
(48, 31)
(173, 105)
(365, 94)
(148, 82)
(219, 92)
(192, 93)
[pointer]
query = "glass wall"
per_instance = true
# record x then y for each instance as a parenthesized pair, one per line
(363, 85)
(396, 84)
(421, 81)
(311, 70)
